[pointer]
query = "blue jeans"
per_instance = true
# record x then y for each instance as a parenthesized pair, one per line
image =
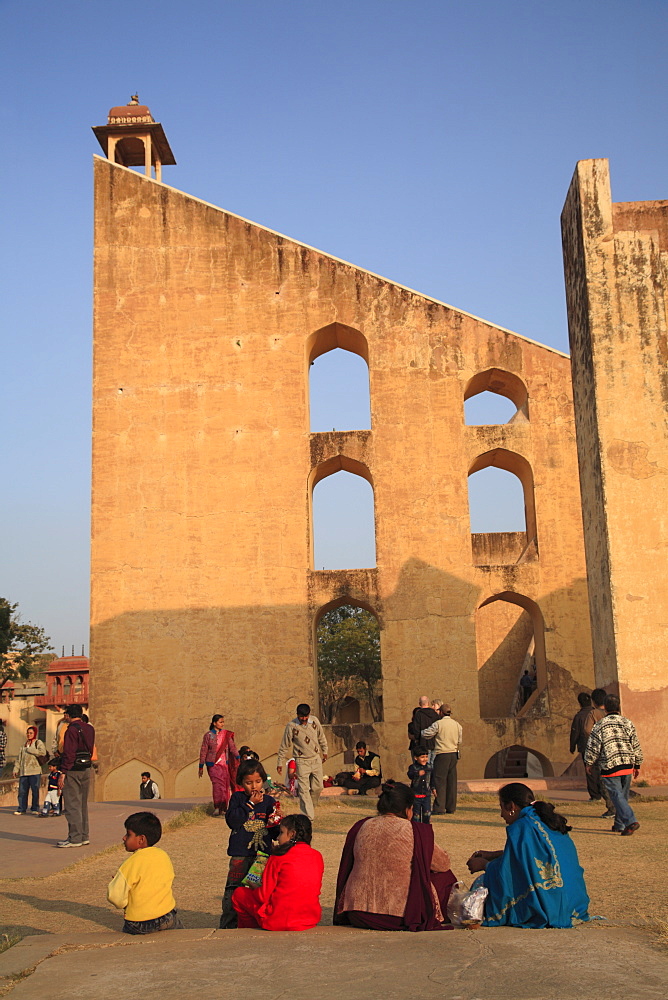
(29, 783)
(618, 790)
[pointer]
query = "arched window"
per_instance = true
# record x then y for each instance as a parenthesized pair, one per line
(67, 687)
(502, 509)
(78, 687)
(495, 396)
(342, 515)
(350, 680)
(510, 643)
(339, 399)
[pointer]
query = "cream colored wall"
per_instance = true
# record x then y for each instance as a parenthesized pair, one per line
(202, 596)
(616, 260)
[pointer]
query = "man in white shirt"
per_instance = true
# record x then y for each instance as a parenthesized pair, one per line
(148, 789)
(448, 738)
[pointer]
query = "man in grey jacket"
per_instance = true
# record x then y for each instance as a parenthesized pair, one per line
(304, 740)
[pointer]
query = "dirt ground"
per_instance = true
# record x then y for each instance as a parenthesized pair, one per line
(624, 876)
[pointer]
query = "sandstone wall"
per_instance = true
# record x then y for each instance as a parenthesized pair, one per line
(204, 596)
(616, 265)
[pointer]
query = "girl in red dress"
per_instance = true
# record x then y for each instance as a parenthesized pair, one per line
(288, 898)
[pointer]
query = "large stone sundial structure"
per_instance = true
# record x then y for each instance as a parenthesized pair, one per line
(204, 593)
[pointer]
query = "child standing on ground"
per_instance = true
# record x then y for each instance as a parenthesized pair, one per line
(142, 885)
(254, 818)
(51, 804)
(419, 774)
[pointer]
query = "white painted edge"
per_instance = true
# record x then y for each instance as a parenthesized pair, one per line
(339, 260)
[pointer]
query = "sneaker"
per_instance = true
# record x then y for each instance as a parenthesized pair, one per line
(35, 812)
(616, 829)
(84, 842)
(19, 813)
(67, 843)
(630, 830)
(608, 814)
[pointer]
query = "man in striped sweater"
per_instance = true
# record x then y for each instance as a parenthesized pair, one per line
(613, 745)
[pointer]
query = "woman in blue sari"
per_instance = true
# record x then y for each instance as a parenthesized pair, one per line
(537, 880)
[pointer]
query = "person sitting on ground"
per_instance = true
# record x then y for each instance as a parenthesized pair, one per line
(392, 875)
(254, 818)
(142, 885)
(147, 788)
(536, 880)
(419, 774)
(289, 897)
(367, 773)
(51, 805)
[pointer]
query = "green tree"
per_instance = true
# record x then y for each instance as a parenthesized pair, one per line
(21, 644)
(348, 641)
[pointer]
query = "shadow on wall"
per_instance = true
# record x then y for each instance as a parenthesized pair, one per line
(159, 675)
(499, 675)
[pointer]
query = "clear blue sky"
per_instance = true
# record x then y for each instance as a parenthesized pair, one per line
(430, 142)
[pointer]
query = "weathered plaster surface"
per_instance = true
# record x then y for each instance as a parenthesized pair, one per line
(203, 593)
(616, 263)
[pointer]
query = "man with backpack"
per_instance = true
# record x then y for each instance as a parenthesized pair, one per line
(75, 766)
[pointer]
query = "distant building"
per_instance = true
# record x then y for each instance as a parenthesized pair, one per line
(41, 702)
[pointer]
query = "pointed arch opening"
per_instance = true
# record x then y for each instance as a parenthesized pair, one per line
(342, 515)
(502, 509)
(338, 366)
(510, 644)
(348, 663)
(516, 763)
(495, 396)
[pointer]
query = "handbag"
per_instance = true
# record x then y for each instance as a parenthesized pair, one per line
(83, 758)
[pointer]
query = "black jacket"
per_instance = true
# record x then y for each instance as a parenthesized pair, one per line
(422, 719)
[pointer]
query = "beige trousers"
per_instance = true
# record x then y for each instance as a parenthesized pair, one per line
(309, 784)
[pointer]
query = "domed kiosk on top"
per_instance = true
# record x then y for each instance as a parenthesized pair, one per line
(132, 138)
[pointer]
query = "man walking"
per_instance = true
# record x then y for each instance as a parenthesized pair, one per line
(74, 783)
(614, 746)
(304, 740)
(597, 713)
(581, 727)
(448, 734)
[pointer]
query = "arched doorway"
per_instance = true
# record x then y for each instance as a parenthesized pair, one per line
(348, 663)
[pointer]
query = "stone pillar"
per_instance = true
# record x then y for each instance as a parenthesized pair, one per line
(616, 269)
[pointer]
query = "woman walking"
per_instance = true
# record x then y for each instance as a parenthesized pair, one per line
(221, 758)
(28, 768)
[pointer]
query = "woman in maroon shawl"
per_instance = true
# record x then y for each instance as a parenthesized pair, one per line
(392, 875)
(221, 757)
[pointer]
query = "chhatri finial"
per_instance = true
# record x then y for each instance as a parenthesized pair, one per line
(132, 138)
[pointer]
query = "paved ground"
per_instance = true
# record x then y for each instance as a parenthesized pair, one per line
(65, 912)
(34, 837)
(328, 963)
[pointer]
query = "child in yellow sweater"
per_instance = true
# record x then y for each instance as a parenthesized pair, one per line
(142, 885)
